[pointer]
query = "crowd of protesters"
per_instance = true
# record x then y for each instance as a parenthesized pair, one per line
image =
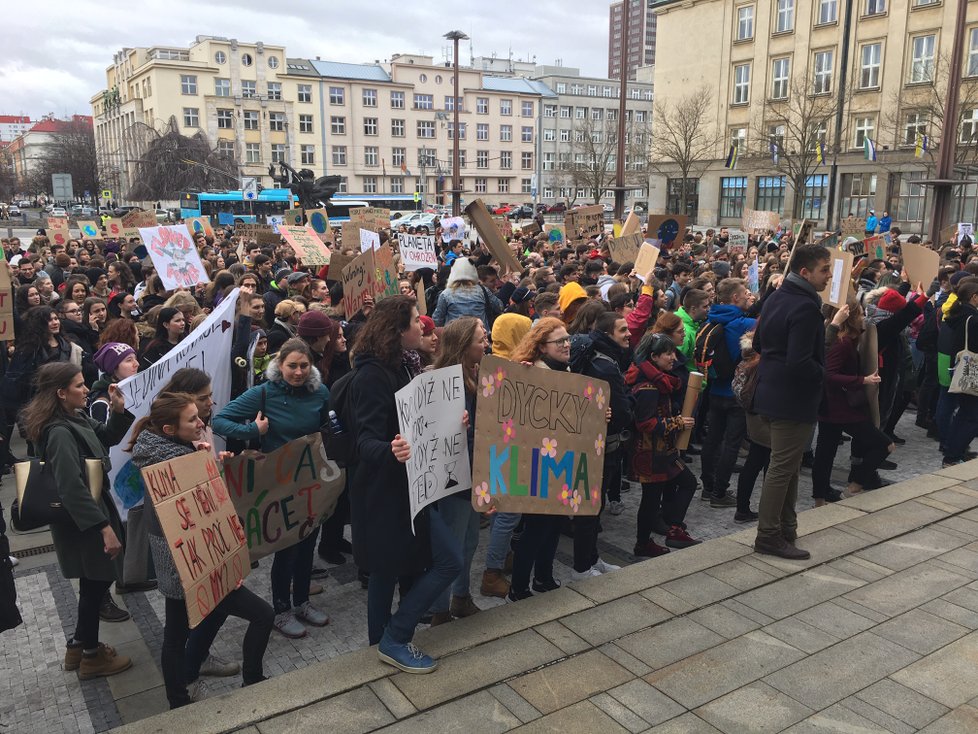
(787, 381)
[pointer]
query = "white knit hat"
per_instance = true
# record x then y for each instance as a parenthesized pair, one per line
(463, 269)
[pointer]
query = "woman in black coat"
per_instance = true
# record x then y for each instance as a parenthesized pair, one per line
(384, 544)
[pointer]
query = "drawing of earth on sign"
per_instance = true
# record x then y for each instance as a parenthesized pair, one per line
(197, 227)
(89, 230)
(668, 231)
(555, 236)
(319, 223)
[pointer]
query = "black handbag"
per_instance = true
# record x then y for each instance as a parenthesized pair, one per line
(856, 397)
(40, 503)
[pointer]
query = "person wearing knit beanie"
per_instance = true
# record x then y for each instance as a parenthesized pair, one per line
(891, 301)
(113, 354)
(427, 326)
(314, 324)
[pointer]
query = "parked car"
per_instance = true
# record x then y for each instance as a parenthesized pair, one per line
(14, 210)
(104, 210)
(58, 211)
(415, 219)
(120, 211)
(503, 209)
(608, 208)
(523, 212)
(558, 208)
(162, 215)
(24, 204)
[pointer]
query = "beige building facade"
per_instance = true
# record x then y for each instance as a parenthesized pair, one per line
(771, 71)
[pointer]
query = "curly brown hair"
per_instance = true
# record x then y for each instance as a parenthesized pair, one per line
(380, 336)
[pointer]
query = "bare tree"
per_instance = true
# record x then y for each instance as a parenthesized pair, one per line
(684, 140)
(71, 149)
(8, 179)
(173, 163)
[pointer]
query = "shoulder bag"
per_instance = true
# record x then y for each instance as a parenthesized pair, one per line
(964, 375)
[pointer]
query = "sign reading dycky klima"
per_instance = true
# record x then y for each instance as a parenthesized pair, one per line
(541, 440)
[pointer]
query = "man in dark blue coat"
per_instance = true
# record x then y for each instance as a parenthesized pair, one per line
(790, 337)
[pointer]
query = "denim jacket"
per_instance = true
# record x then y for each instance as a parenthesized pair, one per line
(454, 303)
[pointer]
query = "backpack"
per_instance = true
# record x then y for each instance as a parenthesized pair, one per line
(711, 353)
(744, 382)
(490, 308)
(341, 446)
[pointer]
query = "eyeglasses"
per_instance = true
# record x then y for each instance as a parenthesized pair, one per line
(562, 340)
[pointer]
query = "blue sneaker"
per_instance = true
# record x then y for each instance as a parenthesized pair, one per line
(405, 657)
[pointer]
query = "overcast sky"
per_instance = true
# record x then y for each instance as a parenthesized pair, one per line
(56, 51)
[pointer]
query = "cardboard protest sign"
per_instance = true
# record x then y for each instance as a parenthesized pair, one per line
(369, 240)
(114, 229)
(418, 251)
(505, 226)
(667, 228)
(965, 229)
(263, 234)
(282, 496)
(853, 226)
(555, 233)
(6, 302)
(830, 240)
(490, 235)
(197, 225)
(371, 217)
(584, 221)
(174, 256)
(138, 218)
(529, 229)
(422, 299)
(625, 249)
(453, 228)
(753, 277)
(306, 244)
(293, 217)
(755, 220)
(921, 264)
(89, 230)
(949, 234)
(648, 255)
(540, 442)
(802, 231)
(338, 261)
(350, 235)
(386, 274)
(58, 232)
(318, 219)
(359, 280)
(737, 243)
(201, 529)
(632, 224)
(275, 221)
(875, 247)
(840, 283)
(429, 413)
(57, 223)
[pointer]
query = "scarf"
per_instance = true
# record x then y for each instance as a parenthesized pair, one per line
(663, 382)
(804, 285)
(411, 361)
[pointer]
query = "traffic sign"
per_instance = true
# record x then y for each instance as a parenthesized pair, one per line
(61, 187)
(249, 188)
(106, 193)
(417, 196)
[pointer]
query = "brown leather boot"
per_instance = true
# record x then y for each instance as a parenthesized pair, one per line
(73, 655)
(494, 584)
(105, 662)
(440, 618)
(781, 548)
(790, 536)
(463, 606)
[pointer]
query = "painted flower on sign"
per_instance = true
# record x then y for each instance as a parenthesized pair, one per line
(488, 386)
(500, 375)
(575, 501)
(600, 398)
(509, 432)
(589, 391)
(599, 444)
(565, 494)
(482, 494)
(549, 447)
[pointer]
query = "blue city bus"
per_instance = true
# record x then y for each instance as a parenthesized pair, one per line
(397, 203)
(230, 207)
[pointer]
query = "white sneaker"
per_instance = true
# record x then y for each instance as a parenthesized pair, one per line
(219, 667)
(288, 625)
(308, 613)
(604, 567)
(14, 561)
(615, 507)
(581, 575)
(197, 690)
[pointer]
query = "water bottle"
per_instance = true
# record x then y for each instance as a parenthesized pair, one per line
(335, 425)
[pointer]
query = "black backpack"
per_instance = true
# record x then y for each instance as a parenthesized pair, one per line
(341, 446)
(711, 353)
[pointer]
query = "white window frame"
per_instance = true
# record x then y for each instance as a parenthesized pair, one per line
(307, 155)
(822, 80)
(745, 22)
(864, 127)
(780, 77)
(188, 84)
(827, 12)
(741, 85)
(191, 117)
(785, 16)
(397, 128)
(369, 97)
(923, 50)
(869, 69)
(252, 152)
(305, 123)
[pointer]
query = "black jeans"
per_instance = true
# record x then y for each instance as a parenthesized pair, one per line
(727, 430)
(586, 526)
(292, 566)
(873, 449)
(244, 604)
(90, 593)
(758, 458)
(536, 549)
(331, 537)
(672, 495)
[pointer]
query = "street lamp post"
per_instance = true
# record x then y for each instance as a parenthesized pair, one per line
(455, 37)
(622, 100)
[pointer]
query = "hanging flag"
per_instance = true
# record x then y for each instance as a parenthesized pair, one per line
(921, 146)
(820, 153)
(774, 152)
(383, 166)
(869, 149)
(732, 157)
(404, 169)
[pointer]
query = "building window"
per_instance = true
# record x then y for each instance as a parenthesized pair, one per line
(191, 117)
(225, 119)
(612, 116)
(550, 110)
(819, 134)
(526, 109)
(397, 100)
(526, 134)
(248, 89)
(275, 90)
(733, 196)
(369, 97)
(337, 95)
(969, 126)
(548, 192)
(278, 153)
(526, 161)
(745, 22)
(397, 128)
(461, 158)
(549, 135)
(565, 112)
(250, 119)
(482, 131)
(828, 11)
(973, 52)
(450, 103)
(398, 156)
(247, 60)
(780, 69)
(592, 90)
(912, 197)
(914, 124)
(506, 160)
(482, 105)
(580, 113)
(561, 88)
(339, 155)
(276, 121)
(188, 84)
(222, 87)
(426, 129)
(875, 7)
(741, 84)
(922, 59)
(869, 66)
(770, 194)
(370, 126)
(371, 155)
(738, 138)
(426, 158)
(305, 123)
(823, 72)
(565, 136)
(370, 184)
(506, 133)
(482, 159)
(252, 152)
(674, 187)
(816, 187)
(305, 92)
(424, 102)
(865, 127)
(526, 186)
(344, 187)
(775, 135)
(502, 185)
(397, 184)
(858, 193)
(597, 113)
(225, 149)
(506, 107)
(481, 185)
(337, 125)
(307, 155)
(549, 161)
(786, 16)
(220, 57)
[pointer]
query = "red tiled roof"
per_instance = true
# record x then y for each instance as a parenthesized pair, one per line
(55, 126)
(15, 118)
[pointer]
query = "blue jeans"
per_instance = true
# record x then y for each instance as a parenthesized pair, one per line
(293, 567)
(446, 562)
(964, 427)
(463, 524)
(500, 535)
(946, 404)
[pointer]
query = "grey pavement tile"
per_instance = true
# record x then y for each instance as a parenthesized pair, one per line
(897, 520)
(686, 724)
(754, 708)
(852, 606)
(963, 720)
(569, 681)
(819, 518)
(614, 619)
(835, 720)
(910, 549)
(920, 631)
(509, 698)
(907, 589)
(562, 637)
(859, 568)
(839, 671)
(583, 716)
(669, 602)
(355, 712)
(966, 597)
(962, 472)
(143, 674)
(479, 712)
(877, 716)
(620, 713)
(900, 492)
(948, 676)
(946, 610)
(671, 641)
(724, 668)
(741, 575)
(966, 558)
(724, 621)
(392, 698)
(802, 635)
(902, 703)
(652, 705)
(745, 611)
(700, 589)
(140, 705)
(795, 593)
(959, 524)
(629, 662)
